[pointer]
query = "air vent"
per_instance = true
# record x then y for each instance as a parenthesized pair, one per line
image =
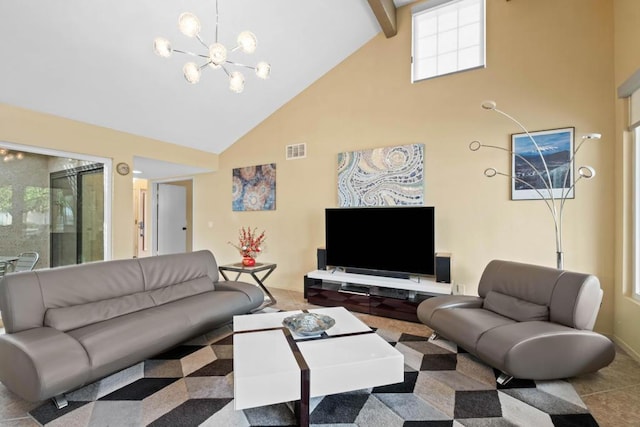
(296, 151)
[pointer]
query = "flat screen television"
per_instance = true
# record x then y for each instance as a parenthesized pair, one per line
(388, 241)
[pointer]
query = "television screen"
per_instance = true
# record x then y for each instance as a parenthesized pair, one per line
(381, 239)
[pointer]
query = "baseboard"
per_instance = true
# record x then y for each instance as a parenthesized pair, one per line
(627, 349)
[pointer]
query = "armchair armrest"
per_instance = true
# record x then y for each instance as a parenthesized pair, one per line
(428, 307)
(252, 292)
(42, 362)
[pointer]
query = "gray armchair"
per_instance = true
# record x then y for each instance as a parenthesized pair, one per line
(529, 322)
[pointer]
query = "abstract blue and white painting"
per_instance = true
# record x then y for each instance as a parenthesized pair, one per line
(388, 176)
(543, 168)
(254, 188)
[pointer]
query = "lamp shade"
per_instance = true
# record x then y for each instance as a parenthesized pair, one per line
(191, 72)
(189, 24)
(162, 47)
(236, 82)
(247, 41)
(263, 70)
(217, 53)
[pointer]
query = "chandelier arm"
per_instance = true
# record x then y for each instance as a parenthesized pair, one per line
(225, 70)
(544, 162)
(184, 52)
(202, 41)
(217, 15)
(237, 64)
(524, 160)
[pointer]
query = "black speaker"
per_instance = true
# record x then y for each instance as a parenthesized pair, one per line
(443, 267)
(322, 259)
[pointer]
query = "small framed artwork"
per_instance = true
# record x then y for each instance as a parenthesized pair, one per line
(254, 188)
(541, 165)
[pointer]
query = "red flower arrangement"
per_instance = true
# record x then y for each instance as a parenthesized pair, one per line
(249, 244)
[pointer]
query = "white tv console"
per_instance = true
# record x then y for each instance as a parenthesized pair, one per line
(384, 296)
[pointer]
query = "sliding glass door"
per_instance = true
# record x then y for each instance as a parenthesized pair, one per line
(54, 203)
(77, 215)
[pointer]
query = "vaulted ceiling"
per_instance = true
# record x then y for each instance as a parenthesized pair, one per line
(92, 61)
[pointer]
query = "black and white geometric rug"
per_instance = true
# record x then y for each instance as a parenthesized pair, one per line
(192, 385)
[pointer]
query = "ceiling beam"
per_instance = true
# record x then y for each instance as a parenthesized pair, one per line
(385, 12)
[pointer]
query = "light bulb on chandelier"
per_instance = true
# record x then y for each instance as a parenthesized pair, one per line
(217, 54)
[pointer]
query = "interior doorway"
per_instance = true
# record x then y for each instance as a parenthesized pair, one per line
(173, 212)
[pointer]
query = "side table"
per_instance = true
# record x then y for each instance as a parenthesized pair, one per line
(253, 270)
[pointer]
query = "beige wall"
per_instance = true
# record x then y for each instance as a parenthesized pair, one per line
(26, 127)
(549, 63)
(627, 61)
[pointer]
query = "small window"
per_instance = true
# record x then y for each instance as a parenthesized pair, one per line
(448, 36)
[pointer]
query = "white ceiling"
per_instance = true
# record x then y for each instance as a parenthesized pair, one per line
(92, 61)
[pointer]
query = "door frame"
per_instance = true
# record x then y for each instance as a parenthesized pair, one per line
(153, 202)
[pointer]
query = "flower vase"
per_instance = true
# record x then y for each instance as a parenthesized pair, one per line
(248, 261)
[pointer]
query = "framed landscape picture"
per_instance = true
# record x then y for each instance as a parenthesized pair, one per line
(531, 180)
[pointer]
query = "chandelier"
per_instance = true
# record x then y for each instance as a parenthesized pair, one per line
(216, 53)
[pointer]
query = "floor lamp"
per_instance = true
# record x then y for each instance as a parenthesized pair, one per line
(554, 203)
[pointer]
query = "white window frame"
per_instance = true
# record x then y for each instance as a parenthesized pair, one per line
(429, 10)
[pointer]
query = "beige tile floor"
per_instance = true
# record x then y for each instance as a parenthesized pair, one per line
(612, 394)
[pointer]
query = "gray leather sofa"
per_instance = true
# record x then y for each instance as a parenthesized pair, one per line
(69, 326)
(529, 322)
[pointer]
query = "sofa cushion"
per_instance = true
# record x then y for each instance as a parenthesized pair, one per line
(165, 270)
(68, 318)
(515, 308)
(77, 316)
(85, 283)
(181, 290)
(532, 283)
(465, 326)
(122, 341)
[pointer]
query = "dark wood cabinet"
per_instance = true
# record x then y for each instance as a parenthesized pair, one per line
(393, 303)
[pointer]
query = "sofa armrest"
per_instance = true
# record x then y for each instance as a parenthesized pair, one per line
(42, 362)
(544, 350)
(255, 295)
(428, 307)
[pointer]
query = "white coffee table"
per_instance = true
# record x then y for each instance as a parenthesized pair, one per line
(273, 365)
